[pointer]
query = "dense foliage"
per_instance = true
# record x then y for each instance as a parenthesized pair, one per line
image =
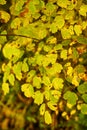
(43, 60)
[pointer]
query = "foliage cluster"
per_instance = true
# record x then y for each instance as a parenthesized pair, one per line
(43, 54)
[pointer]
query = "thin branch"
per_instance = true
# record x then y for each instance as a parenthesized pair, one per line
(17, 35)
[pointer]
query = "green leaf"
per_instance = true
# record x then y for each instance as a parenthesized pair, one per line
(28, 90)
(78, 29)
(82, 40)
(63, 54)
(75, 54)
(59, 20)
(48, 118)
(63, 3)
(37, 82)
(11, 79)
(42, 109)
(5, 88)
(57, 83)
(82, 88)
(32, 7)
(84, 97)
(84, 108)
(71, 97)
(83, 10)
(38, 97)
(2, 2)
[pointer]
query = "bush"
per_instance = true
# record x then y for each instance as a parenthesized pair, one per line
(43, 59)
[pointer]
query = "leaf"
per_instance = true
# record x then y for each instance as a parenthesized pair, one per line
(32, 7)
(46, 80)
(3, 39)
(42, 109)
(2, 2)
(17, 70)
(84, 97)
(11, 79)
(83, 10)
(4, 16)
(5, 88)
(25, 67)
(38, 98)
(63, 3)
(78, 29)
(82, 40)
(71, 97)
(82, 88)
(75, 54)
(56, 68)
(56, 94)
(52, 105)
(57, 83)
(48, 118)
(28, 90)
(65, 33)
(10, 51)
(59, 20)
(37, 82)
(63, 54)
(53, 27)
(84, 108)
(16, 23)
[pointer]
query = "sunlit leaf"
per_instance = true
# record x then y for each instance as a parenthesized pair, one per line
(42, 109)
(78, 29)
(46, 80)
(53, 28)
(28, 90)
(57, 83)
(5, 88)
(59, 20)
(52, 105)
(10, 51)
(65, 33)
(25, 67)
(48, 118)
(11, 79)
(15, 23)
(17, 70)
(63, 54)
(83, 10)
(37, 82)
(38, 97)
(2, 2)
(4, 16)
(63, 3)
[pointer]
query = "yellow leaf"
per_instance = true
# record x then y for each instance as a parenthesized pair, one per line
(48, 118)
(5, 88)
